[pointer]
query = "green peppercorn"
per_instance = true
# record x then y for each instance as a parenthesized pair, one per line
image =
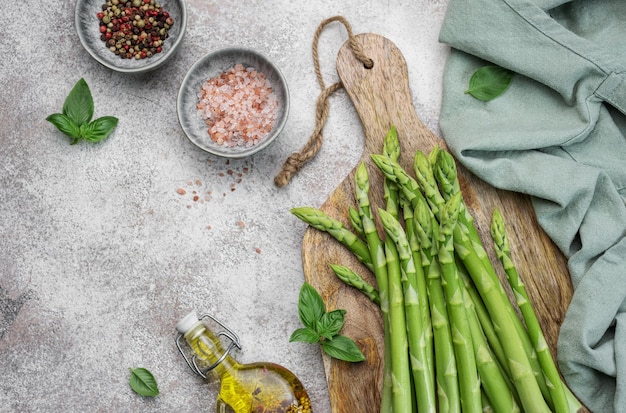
(136, 3)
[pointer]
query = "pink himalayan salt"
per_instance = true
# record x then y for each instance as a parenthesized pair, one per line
(239, 106)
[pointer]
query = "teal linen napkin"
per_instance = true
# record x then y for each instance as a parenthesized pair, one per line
(558, 133)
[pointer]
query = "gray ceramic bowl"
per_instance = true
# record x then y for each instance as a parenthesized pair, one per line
(212, 65)
(88, 29)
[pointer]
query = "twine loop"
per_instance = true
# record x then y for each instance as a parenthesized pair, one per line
(297, 160)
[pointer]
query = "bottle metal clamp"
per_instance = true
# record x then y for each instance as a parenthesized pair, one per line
(228, 333)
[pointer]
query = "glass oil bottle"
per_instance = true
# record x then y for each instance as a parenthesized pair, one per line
(244, 388)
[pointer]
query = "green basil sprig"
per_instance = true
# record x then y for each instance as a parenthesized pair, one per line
(143, 382)
(489, 82)
(75, 118)
(323, 327)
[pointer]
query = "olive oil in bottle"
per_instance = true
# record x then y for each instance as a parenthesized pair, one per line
(244, 388)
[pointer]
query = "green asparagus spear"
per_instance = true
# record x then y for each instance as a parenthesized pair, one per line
(379, 267)
(400, 362)
(355, 220)
(486, 403)
(428, 185)
(426, 228)
(391, 144)
(422, 374)
(494, 382)
(522, 373)
(469, 383)
(553, 378)
(394, 171)
(422, 289)
(353, 279)
(484, 319)
(391, 149)
(427, 182)
(432, 157)
(321, 221)
(446, 175)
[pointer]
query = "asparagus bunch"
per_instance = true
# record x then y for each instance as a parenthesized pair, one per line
(453, 340)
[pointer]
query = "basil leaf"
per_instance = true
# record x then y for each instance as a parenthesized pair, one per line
(100, 128)
(78, 105)
(84, 130)
(489, 82)
(143, 382)
(65, 125)
(343, 348)
(329, 325)
(306, 335)
(311, 307)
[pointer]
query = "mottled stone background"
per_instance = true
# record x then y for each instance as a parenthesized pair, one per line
(100, 254)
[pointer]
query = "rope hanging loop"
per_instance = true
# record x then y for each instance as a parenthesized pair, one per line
(297, 160)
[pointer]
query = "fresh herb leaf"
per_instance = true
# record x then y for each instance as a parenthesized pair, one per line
(306, 335)
(100, 128)
(311, 307)
(489, 82)
(78, 105)
(343, 348)
(75, 119)
(331, 323)
(323, 327)
(143, 382)
(65, 124)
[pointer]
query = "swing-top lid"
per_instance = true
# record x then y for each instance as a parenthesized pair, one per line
(187, 322)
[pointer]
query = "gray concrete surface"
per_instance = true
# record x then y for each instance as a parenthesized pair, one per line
(99, 254)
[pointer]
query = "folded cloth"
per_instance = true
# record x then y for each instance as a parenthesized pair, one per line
(558, 134)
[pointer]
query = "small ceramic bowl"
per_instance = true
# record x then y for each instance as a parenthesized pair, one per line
(212, 65)
(88, 29)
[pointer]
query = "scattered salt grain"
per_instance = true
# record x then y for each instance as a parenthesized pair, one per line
(239, 106)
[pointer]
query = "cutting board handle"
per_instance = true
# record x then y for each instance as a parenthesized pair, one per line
(381, 94)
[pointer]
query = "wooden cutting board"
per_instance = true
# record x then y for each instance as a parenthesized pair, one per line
(382, 98)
